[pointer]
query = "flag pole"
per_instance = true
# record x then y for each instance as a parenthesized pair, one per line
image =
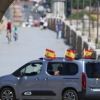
(64, 55)
(83, 52)
(44, 56)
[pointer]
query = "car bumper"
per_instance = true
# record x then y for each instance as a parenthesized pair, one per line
(83, 95)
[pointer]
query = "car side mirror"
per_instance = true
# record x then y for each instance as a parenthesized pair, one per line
(21, 74)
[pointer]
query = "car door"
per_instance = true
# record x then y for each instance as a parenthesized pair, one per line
(30, 82)
(51, 84)
(92, 77)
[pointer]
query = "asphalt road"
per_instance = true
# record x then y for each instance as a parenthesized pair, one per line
(31, 45)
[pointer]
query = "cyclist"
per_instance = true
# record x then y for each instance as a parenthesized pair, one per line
(9, 28)
(15, 33)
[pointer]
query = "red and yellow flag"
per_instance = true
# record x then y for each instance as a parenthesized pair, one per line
(50, 54)
(88, 53)
(70, 54)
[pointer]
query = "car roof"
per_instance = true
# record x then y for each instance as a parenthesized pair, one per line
(64, 59)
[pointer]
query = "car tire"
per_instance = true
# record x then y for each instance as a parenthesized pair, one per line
(8, 94)
(70, 94)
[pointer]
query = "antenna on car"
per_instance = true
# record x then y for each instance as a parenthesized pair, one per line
(41, 58)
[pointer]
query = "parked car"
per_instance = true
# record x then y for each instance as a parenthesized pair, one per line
(37, 79)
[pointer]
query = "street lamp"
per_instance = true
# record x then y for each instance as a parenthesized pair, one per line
(83, 18)
(97, 22)
(71, 12)
(77, 12)
(66, 8)
(89, 37)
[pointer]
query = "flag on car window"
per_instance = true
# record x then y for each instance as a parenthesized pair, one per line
(50, 54)
(88, 53)
(70, 54)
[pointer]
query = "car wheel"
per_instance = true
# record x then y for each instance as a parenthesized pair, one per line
(70, 95)
(7, 94)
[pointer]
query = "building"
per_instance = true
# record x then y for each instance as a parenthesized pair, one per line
(17, 12)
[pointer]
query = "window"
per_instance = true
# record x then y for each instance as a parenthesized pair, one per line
(32, 69)
(71, 69)
(62, 68)
(55, 68)
(93, 70)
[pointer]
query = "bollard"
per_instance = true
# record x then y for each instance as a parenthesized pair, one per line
(73, 39)
(54, 25)
(50, 23)
(68, 34)
(79, 46)
(95, 54)
(63, 29)
(48, 20)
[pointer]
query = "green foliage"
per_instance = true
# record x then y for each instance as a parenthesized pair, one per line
(80, 15)
(48, 1)
(86, 2)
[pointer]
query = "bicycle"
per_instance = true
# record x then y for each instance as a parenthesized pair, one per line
(8, 36)
(15, 37)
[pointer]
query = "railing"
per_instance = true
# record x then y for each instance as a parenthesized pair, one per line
(74, 38)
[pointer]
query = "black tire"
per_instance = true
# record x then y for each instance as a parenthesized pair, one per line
(8, 35)
(8, 94)
(70, 94)
(15, 38)
(8, 40)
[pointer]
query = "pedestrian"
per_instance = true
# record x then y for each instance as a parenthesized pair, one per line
(45, 24)
(59, 28)
(41, 22)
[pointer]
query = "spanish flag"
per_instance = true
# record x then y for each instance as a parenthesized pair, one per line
(50, 54)
(88, 53)
(70, 54)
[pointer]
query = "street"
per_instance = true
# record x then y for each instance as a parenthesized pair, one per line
(31, 45)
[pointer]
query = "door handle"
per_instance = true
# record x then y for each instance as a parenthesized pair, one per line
(37, 79)
(45, 79)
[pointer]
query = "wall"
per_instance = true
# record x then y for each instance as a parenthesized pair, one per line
(74, 37)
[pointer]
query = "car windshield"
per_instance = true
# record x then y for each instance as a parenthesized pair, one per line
(93, 70)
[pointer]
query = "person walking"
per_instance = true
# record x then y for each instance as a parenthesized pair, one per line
(41, 21)
(59, 28)
(45, 24)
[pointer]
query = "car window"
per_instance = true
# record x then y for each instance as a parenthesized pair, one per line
(71, 69)
(23, 70)
(93, 70)
(32, 69)
(55, 68)
(62, 68)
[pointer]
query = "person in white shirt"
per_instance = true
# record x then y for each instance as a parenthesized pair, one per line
(41, 20)
(45, 24)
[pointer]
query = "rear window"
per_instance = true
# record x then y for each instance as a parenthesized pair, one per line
(93, 70)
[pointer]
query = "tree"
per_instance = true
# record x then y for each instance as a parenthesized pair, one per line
(48, 1)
